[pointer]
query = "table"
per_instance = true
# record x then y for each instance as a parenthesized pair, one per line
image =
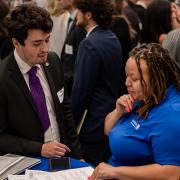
(43, 166)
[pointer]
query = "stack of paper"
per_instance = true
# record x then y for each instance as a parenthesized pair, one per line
(70, 174)
(15, 164)
(7, 161)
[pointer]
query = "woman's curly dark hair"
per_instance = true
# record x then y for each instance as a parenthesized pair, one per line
(102, 10)
(163, 71)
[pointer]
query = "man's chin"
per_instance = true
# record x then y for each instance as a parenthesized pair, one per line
(80, 25)
(42, 60)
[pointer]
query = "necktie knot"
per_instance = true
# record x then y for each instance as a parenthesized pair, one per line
(33, 71)
(69, 24)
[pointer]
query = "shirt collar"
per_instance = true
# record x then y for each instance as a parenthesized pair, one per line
(23, 66)
(91, 30)
(72, 15)
(142, 4)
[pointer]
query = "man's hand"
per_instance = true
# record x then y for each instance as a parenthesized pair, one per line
(54, 149)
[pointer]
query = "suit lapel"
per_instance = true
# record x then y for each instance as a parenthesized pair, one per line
(17, 76)
(72, 26)
(57, 106)
(51, 84)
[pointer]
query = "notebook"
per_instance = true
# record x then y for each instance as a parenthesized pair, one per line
(15, 164)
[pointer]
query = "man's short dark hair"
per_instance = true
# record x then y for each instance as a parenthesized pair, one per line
(102, 10)
(28, 17)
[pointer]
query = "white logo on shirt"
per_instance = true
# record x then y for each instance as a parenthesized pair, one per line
(135, 124)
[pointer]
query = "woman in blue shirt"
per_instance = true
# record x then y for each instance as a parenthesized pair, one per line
(144, 129)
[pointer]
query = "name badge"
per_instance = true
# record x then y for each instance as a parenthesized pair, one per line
(68, 49)
(60, 95)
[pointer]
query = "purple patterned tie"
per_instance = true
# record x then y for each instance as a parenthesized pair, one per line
(38, 97)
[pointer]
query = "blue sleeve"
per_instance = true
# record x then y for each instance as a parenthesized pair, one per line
(87, 69)
(165, 136)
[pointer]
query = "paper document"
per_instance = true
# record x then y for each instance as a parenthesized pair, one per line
(11, 164)
(17, 177)
(81, 121)
(8, 161)
(31, 174)
(70, 174)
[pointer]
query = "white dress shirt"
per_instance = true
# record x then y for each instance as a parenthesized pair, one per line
(52, 133)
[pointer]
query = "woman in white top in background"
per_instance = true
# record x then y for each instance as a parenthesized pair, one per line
(59, 31)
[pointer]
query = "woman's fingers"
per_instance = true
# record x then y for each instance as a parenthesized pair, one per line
(126, 102)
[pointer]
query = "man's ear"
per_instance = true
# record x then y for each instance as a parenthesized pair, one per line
(89, 15)
(15, 43)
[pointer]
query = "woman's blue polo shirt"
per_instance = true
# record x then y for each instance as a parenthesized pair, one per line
(136, 142)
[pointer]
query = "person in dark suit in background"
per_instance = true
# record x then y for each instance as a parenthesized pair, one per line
(134, 21)
(35, 118)
(158, 21)
(120, 28)
(74, 36)
(98, 76)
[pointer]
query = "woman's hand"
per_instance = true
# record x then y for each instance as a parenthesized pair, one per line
(151, 171)
(103, 171)
(125, 104)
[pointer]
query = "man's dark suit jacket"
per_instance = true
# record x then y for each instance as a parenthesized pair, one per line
(21, 131)
(97, 82)
(120, 28)
(73, 39)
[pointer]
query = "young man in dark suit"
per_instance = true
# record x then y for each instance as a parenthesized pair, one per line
(98, 76)
(35, 118)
